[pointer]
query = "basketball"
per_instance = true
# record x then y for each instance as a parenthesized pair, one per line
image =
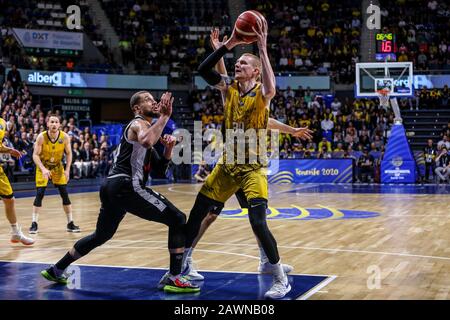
(245, 23)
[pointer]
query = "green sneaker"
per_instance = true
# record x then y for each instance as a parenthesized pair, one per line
(180, 285)
(50, 275)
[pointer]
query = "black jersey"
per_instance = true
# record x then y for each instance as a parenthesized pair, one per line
(132, 160)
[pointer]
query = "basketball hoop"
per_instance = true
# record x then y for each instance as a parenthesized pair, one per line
(383, 95)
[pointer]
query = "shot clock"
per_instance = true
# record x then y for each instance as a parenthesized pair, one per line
(386, 47)
(386, 43)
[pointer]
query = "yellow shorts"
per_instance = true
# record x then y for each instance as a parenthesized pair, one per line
(58, 177)
(220, 185)
(5, 187)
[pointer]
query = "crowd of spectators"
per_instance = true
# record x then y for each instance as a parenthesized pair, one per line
(437, 158)
(422, 28)
(427, 99)
(25, 119)
(343, 128)
(26, 14)
(161, 36)
(316, 37)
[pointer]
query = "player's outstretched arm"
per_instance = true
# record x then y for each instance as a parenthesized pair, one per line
(146, 134)
(302, 133)
(4, 149)
(15, 153)
(216, 44)
(267, 75)
(207, 68)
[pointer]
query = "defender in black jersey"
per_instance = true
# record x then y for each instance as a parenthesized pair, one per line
(124, 191)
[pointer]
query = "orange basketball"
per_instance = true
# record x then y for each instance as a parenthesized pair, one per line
(245, 23)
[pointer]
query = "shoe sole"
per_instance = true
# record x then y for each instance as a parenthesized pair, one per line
(47, 276)
(173, 289)
(73, 231)
(25, 244)
(33, 232)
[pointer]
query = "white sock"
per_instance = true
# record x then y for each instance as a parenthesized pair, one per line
(15, 228)
(187, 254)
(262, 255)
(35, 217)
(69, 217)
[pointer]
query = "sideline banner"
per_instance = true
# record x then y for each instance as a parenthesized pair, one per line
(62, 79)
(313, 171)
(308, 171)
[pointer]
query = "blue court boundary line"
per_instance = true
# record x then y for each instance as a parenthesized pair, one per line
(152, 268)
(328, 278)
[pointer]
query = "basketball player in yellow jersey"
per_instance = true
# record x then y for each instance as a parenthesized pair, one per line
(48, 153)
(246, 107)
(6, 193)
(302, 133)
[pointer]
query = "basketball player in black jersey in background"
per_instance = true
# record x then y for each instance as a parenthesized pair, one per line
(124, 191)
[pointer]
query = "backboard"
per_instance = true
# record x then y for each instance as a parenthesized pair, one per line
(374, 76)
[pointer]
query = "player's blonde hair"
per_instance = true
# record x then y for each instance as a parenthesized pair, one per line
(256, 63)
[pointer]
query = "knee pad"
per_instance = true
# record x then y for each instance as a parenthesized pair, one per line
(178, 218)
(257, 211)
(64, 194)
(40, 192)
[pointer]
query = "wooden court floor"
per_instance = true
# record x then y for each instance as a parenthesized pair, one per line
(401, 250)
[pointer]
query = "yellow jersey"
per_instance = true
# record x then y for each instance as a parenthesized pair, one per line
(249, 111)
(2, 130)
(52, 151)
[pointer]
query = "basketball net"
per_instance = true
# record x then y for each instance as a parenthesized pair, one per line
(384, 96)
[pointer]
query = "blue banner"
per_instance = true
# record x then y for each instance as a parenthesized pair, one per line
(398, 165)
(61, 79)
(313, 171)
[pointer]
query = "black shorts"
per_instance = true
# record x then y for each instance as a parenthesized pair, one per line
(119, 196)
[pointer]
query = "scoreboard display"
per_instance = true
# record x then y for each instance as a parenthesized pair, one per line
(46, 52)
(385, 43)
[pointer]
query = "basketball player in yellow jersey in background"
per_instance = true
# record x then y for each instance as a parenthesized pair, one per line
(246, 107)
(48, 153)
(6, 193)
